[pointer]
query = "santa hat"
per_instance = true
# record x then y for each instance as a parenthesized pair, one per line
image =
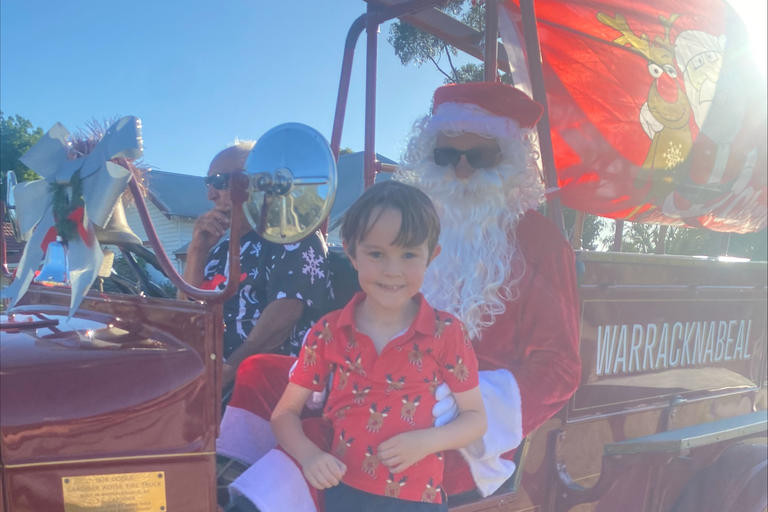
(493, 109)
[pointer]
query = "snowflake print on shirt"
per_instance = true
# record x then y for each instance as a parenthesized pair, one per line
(270, 272)
(312, 267)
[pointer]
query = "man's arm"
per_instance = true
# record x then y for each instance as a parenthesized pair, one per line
(271, 329)
(208, 229)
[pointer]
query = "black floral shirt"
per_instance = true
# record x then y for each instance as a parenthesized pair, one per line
(271, 271)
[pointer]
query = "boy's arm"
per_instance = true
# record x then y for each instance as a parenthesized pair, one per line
(321, 469)
(403, 450)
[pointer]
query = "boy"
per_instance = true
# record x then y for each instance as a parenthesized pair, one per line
(386, 350)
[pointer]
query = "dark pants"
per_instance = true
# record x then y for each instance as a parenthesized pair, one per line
(343, 498)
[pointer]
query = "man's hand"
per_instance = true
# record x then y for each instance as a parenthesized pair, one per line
(210, 227)
(445, 409)
(402, 451)
(228, 372)
(323, 470)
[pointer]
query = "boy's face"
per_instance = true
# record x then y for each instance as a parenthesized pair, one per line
(390, 275)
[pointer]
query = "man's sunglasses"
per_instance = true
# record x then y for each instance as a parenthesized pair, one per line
(219, 181)
(479, 158)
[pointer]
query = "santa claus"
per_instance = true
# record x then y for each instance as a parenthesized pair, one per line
(504, 270)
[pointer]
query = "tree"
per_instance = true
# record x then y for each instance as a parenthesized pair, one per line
(694, 241)
(17, 135)
(412, 45)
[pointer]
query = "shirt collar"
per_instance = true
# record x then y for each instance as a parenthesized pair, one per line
(424, 322)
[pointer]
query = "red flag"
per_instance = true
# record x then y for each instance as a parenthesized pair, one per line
(656, 110)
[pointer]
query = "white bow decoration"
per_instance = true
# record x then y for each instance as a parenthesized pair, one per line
(102, 183)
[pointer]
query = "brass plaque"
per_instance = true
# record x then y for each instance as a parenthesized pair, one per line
(117, 492)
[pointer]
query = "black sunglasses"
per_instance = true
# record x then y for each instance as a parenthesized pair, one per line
(218, 181)
(480, 158)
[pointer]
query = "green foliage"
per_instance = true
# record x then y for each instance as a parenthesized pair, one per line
(412, 45)
(66, 199)
(694, 242)
(17, 135)
(346, 151)
(595, 231)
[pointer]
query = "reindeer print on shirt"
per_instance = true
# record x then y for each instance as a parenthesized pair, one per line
(356, 364)
(394, 385)
(358, 395)
(310, 353)
(459, 371)
(409, 408)
(371, 462)
(430, 492)
(344, 443)
(376, 419)
(392, 489)
(433, 383)
(415, 357)
(441, 324)
(325, 333)
(343, 377)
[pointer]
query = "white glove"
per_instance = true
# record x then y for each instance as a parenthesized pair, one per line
(316, 400)
(445, 409)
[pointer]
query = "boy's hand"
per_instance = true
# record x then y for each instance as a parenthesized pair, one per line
(402, 451)
(323, 470)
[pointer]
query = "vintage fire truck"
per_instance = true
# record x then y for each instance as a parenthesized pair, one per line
(113, 404)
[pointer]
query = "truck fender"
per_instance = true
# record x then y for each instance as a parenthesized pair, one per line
(735, 482)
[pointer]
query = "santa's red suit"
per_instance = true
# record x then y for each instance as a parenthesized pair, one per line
(529, 364)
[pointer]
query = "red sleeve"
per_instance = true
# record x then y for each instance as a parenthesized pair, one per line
(457, 359)
(547, 365)
(311, 369)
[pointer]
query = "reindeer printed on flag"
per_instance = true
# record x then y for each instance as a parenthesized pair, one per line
(657, 111)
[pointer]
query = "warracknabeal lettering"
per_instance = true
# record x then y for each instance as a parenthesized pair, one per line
(632, 348)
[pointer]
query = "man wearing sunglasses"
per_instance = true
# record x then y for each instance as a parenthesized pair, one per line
(280, 293)
(505, 271)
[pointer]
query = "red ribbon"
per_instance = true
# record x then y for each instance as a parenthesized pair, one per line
(215, 281)
(77, 216)
(49, 237)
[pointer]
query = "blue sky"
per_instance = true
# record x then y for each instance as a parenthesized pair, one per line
(199, 73)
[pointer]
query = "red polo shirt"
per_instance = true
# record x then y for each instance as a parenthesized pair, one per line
(374, 397)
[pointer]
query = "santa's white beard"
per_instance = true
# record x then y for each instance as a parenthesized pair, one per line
(480, 265)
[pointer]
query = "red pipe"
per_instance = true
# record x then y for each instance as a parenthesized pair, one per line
(491, 40)
(376, 15)
(531, 35)
(369, 159)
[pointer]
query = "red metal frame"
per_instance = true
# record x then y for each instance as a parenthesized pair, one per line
(370, 21)
(377, 14)
(531, 36)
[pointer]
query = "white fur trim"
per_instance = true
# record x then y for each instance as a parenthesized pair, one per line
(244, 436)
(274, 484)
(466, 117)
(501, 397)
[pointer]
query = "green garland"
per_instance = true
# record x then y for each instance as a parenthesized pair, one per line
(63, 206)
